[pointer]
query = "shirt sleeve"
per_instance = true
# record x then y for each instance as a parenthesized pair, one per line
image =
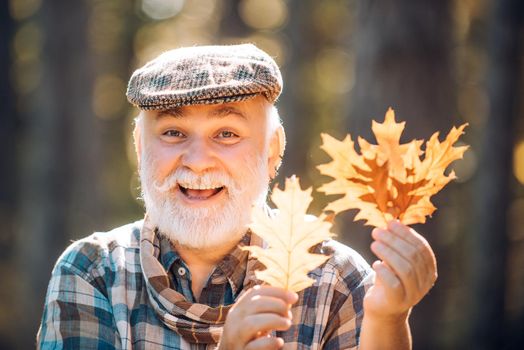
(347, 310)
(77, 313)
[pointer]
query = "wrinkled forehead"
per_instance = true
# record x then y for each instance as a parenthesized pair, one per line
(254, 109)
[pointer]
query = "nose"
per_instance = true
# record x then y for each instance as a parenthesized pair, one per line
(199, 157)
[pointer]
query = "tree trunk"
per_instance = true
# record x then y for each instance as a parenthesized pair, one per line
(298, 111)
(73, 162)
(492, 190)
(9, 174)
(8, 134)
(402, 61)
(59, 170)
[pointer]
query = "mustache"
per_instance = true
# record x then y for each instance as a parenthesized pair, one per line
(187, 178)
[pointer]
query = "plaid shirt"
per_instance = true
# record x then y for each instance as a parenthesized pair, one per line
(97, 297)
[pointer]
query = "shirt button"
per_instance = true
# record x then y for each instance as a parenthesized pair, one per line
(181, 271)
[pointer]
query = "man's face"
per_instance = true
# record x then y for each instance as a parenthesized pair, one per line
(202, 167)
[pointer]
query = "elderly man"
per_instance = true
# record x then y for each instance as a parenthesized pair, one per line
(208, 140)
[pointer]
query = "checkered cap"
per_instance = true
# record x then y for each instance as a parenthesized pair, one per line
(205, 75)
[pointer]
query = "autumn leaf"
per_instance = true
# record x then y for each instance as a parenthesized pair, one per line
(389, 180)
(289, 234)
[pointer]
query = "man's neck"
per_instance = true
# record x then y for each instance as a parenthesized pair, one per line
(202, 262)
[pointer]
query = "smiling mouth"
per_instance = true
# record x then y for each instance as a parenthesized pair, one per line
(200, 194)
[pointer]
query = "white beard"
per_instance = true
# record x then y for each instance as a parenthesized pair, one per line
(213, 226)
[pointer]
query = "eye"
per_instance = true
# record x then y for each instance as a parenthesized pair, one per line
(173, 133)
(226, 134)
(227, 137)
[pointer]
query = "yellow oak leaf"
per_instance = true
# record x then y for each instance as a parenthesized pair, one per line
(290, 234)
(345, 160)
(388, 146)
(389, 180)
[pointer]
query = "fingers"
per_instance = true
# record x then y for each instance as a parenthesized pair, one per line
(410, 256)
(265, 343)
(406, 233)
(250, 328)
(422, 246)
(259, 311)
(386, 276)
(264, 323)
(400, 266)
(287, 296)
(420, 243)
(253, 326)
(262, 299)
(262, 304)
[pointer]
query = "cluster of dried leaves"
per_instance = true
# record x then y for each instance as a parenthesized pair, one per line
(385, 181)
(389, 180)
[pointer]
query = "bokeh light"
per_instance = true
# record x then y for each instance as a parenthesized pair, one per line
(518, 162)
(23, 9)
(109, 96)
(106, 28)
(26, 79)
(267, 14)
(27, 43)
(272, 44)
(334, 69)
(196, 25)
(27, 49)
(162, 9)
(155, 38)
(327, 17)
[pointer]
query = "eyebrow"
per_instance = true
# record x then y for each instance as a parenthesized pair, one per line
(221, 112)
(225, 111)
(175, 112)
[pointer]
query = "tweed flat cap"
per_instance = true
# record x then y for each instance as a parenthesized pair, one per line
(205, 75)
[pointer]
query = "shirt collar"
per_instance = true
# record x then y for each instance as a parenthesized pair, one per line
(232, 267)
(168, 255)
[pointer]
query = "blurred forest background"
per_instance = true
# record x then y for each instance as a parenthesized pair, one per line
(68, 169)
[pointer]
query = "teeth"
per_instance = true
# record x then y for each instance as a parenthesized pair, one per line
(198, 186)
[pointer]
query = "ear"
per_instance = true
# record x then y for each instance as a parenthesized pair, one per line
(137, 132)
(277, 145)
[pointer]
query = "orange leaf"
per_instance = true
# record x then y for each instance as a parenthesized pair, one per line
(389, 180)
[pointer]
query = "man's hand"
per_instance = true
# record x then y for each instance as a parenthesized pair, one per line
(406, 273)
(261, 310)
